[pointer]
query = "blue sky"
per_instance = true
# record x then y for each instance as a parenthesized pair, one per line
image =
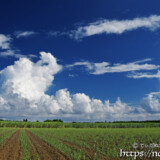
(103, 49)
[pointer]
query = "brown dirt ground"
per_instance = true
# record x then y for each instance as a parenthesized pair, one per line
(11, 147)
(5, 132)
(41, 150)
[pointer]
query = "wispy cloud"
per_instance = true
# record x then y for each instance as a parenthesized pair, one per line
(15, 54)
(58, 34)
(101, 68)
(144, 75)
(54, 33)
(20, 34)
(4, 41)
(115, 26)
(10, 53)
(72, 75)
(106, 67)
(7, 51)
(87, 64)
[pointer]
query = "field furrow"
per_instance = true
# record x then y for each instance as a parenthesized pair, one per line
(79, 144)
(11, 147)
(43, 151)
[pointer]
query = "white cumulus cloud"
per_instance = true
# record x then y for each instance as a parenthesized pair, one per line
(30, 80)
(152, 102)
(23, 87)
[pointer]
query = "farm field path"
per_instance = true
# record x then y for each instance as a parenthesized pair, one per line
(11, 147)
(42, 151)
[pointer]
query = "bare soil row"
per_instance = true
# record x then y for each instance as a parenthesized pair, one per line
(42, 150)
(11, 149)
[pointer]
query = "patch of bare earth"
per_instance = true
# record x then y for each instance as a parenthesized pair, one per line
(11, 147)
(41, 150)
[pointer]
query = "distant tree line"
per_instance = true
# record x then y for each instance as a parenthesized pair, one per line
(147, 121)
(60, 120)
(54, 120)
(58, 123)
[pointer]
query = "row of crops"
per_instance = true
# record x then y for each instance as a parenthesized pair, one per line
(87, 143)
(5, 133)
(98, 143)
(21, 124)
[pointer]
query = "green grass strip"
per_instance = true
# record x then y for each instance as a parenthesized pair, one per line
(25, 145)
